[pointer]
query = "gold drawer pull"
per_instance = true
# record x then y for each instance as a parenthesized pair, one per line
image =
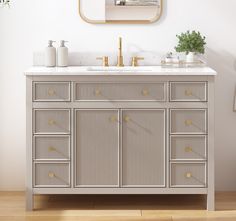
(51, 149)
(188, 122)
(51, 92)
(51, 175)
(113, 119)
(127, 119)
(97, 92)
(145, 92)
(51, 122)
(188, 149)
(188, 93)
(188, 175)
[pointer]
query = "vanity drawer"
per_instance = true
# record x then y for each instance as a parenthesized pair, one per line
(188, 175)
(188, 147)
(51, 121)
(188, 121)
(51, 91)
(52, 175)
(120, 91)
(52, 147)
(188, 91)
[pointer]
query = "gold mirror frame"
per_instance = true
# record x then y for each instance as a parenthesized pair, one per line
(155, 19)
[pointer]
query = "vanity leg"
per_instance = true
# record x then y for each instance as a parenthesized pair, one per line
(29, 200)
(211, 201)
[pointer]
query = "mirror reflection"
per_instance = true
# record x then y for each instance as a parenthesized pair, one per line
(120, 11)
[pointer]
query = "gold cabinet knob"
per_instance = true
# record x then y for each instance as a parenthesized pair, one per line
(188, 122)
(188, 149)
(188, 93)
(51, 92)
(51, 122)
(113, 119)
(127, 119)
(145, 92)
(97, 92)
(51, 175)
(51, 149)
(188, 175)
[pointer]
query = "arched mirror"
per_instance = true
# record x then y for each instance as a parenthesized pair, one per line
(120, 11)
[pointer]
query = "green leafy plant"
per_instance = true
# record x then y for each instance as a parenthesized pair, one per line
(191, 42)
(5, 3)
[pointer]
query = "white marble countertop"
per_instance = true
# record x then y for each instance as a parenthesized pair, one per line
(144, 70)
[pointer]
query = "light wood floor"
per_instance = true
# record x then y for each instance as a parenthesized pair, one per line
(117, 208)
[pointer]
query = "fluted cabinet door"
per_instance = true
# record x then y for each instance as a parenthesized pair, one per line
(97, 148)
(143, 148)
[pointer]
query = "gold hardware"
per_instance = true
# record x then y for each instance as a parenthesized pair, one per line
(51, 92)
(105, 61)
(98, 92)
(120, 62)
(188, 93)
(127, 119)
(188, 122)
(104, 21)
(145, 92)
(135, 61)
(51, 175)
(113, 119)
(188, 175)
(188, 149)
(51, 149)
(51, 122)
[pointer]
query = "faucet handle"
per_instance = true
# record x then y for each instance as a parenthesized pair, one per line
(135, 60)
(105, 60)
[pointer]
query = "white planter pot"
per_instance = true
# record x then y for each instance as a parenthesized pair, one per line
(191, 57)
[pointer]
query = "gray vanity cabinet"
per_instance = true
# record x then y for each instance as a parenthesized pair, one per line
(120, 133)
(97, 148)
(143, 148)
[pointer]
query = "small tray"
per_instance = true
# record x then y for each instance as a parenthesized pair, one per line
(183, 64)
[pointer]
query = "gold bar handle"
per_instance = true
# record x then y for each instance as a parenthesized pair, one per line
(135, 60)
(105, 61)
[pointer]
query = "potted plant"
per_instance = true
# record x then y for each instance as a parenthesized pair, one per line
(191, 43)
(4, 3)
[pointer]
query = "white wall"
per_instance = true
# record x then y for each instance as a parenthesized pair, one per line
(28, 25)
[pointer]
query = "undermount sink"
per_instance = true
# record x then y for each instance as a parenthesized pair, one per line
(120, 69)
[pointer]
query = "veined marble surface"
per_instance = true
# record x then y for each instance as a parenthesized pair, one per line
(143, 70)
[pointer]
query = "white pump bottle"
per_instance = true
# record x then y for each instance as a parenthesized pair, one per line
(62, 55)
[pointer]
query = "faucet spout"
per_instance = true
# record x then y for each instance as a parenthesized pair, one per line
(120, 62)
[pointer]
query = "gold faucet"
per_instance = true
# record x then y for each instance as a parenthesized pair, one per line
(120, 62)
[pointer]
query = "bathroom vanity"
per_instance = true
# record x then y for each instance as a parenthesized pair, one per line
(146, 130)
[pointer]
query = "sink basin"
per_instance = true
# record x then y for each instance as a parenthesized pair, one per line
(120, 69)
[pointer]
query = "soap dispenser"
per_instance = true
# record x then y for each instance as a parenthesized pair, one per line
(50, 55)
(62, 55)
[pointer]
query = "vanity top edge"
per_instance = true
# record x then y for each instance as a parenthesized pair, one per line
(84, 71)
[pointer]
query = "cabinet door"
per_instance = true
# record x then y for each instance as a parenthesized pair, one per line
(97, 148)
(143, 148)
